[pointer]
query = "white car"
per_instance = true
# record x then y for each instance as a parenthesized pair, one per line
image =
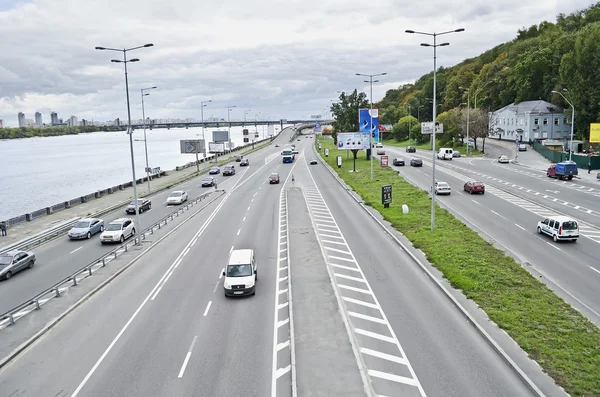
(503, 159)
(441, 188)
(118, 230)
(177, 197)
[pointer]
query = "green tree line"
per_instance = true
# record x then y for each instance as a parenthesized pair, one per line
(29, 132)
(542, 58)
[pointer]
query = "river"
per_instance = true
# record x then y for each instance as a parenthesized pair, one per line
(40, 172)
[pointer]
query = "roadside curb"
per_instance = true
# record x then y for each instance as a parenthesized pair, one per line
(6, 360)
(514, 367)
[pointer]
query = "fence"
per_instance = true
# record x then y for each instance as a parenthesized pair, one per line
(582, 161)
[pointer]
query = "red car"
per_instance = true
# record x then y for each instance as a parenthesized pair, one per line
(274, 178)
(474, 187)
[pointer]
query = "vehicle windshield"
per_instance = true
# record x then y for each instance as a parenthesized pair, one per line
(477, 184)
(274, 175)
(113, 226)
(214, 169)
(176, 194)
(82, 225)
(5, 260)
(207, 180)
(569, 225)
(239, 270)
(140, 202)
(443, 184)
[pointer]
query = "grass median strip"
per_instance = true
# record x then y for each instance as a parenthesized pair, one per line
(563, 342)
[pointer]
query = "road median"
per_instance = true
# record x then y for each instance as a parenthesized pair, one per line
(559, 338)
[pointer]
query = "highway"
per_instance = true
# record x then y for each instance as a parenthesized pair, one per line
(61, 257)
(571, 269)
(165, 328)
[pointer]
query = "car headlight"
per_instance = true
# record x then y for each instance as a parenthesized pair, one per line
(227, 285)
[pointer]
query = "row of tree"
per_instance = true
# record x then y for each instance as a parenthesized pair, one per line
(542, 58)
(30, 132)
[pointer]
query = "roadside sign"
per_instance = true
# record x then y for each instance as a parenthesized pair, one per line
(427, 128)
(386, 195)
(384, 161)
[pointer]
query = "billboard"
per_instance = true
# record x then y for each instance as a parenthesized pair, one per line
(216, 147)
(384, 161)
(192, 146)
(318, 126)
(364, 122)
(427, 128)
(353, 140)
(594, 132)
(220, 136)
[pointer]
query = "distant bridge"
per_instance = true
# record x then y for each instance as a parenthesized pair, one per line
(225, 124)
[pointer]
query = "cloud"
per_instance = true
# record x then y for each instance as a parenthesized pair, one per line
(285, 58)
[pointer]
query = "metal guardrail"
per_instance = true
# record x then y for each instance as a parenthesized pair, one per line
(11, 316)
(40, 238)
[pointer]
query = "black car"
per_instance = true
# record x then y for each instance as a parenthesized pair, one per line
(399, 162)
(411, 149)
(229, 170)
(208, 181)
(416, 163)
(244, 163)
(143, 205)
(313, 161)
(214, 171)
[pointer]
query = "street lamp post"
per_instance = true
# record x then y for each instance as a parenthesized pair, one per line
(371, 81)
(202, 105)
(419, 112)
(145, 140)
(130, 131)
(246, 112)
(468, 113)
(229, 109)
(572, 118)
(409, 116)
(435, 46)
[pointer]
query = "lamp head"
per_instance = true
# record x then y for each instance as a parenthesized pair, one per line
(460, 30)
(425, 45)
(100, 48)
(409, 31)
(444, 44)
(116, 60)
(149, 45)
(134, 60)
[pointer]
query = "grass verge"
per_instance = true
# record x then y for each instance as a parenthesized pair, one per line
(563, 342)
(425, 146)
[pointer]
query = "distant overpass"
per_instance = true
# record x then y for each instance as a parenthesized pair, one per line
(225, 124)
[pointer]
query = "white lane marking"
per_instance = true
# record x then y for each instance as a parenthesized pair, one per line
(248, 208)
(252, 200)
(330, 236)
(282, 371)
(333, 242)
(187, 358)
(194, 242)
(495, 213)
(239, 231)
(384, 356)
(178, 262)
(359, 302)
(475, 202)
(231, 249)
(553, 246)
(255, 194)
(342, 259)
(345, 267)
(394, 378)
(283, 345)
(139, 309)
(186, 251)
(374, 335)
(594, 269)
(349, 288)
(216, 286)
(283, 322)
(365, 317)
(337, 250)
(75, 250)
(357, 279)
(207, 309)
(243, 219)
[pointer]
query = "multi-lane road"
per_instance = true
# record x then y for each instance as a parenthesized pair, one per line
(367, 321)
(516, 199)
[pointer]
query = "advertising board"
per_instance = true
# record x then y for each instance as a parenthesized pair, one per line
(427, 128)
(386, 195)
(384, 161)
(353, 140)
(191, 146)
(216, 147)
(364, 122)
(594, 132)
(220, 136)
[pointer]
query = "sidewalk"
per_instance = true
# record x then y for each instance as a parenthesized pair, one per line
(23, 230)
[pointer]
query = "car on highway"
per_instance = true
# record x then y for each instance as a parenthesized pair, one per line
(503, 159)
(276, 145)
(411, 149)
(228, 170)
(298, 140)
(559, 228)
(398, 162)
(208, 181)
(274, 178)
(12, 262)
(313, 161)
(441, 188)
(416, 162)
(143, 205)
(474, 187)
(381, 151)
(214, 171)
(177, 197)
(445, 153)
(86, 228)
(238, 158)
(244, 163)
(117, 231)
(240, 274)
(456, 153)
(295, 151)
(522, 147)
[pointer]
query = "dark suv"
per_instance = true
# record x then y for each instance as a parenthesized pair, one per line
(411, 149)
(229, 170)
(398, 161)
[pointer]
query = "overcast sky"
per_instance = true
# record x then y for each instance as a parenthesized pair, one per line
(283, 58)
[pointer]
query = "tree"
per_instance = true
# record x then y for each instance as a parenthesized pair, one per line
(452, 125)
(345, 112)
(401, 130)
(479, 126)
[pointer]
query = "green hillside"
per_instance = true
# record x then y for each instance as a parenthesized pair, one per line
(545, 57)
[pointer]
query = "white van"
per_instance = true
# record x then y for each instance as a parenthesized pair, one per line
(559, 228)
(240, 274)
(445, 153)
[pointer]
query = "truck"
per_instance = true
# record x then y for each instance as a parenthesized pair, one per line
(563, 170)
